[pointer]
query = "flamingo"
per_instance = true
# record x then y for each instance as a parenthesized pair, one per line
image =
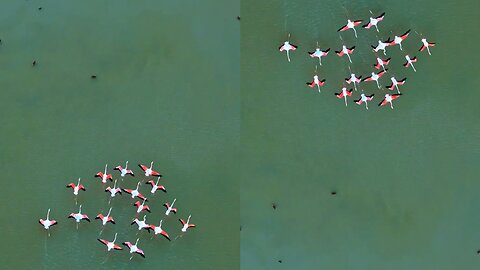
(316, 82)
(381, 46)
(186, 224)
(141, 223)
(344, 94)
(47, 222)
(159, 230)
(397, 40)
(106, 218)
(425, 45)
(350, 25)
(124, 171)
(396, 83)
(113, 191)
(76, 188)
(410, 62)
(141, 206)
(374, 21)
(79, 216)
(382, 63)
(170, 207)
(149, 171)
(375, 77)
(287, 47)
(104, 175)
(134, 249)
(353, 79)
(319, 54)
(346, 51)
(110, 245)
(155, 186)
(134, 192)
(364, 99)
(388, 99)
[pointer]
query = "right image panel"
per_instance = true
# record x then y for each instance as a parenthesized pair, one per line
(360, 135)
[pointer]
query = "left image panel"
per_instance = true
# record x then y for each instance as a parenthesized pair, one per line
(119, 127)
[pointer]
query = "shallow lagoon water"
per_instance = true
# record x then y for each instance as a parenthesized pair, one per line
(406, 179)
(157, 96)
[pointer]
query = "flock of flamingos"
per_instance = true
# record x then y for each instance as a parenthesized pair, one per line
(379, 65)
(140, 206)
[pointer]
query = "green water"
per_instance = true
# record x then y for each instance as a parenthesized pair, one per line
(158, 96)
(406, 179)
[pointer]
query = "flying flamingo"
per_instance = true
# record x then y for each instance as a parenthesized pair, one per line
(388, 99)
(316, 82)
(113, 191)
(134, 249)
(186, 224)
(319, 54)
(381, 46)
(397, 40)
(110, 245)
(106, 218)
(364, 99)
(382, 63)
(76, 188)
(141, 223)
(79, 216)
(134, 192)
(124, 171)
(375, 77)
(396, 83)
(350, 25)
(149, 171)
(170, 207)
(346, 51)
(156, 186)
(141, 206)
(287, 47)
(344, 94)
(425, 45)
(159, 230)
(374, 22)
(104, 175)
(353, 79)
(47, 222)
(410, 62)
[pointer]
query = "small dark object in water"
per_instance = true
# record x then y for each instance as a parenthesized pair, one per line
(34, 62)
(333, 193)
(478, 251)
(240, 228)
(274, 206)
(280, 261)
(93, 76)
(40, 8)
(238, 18)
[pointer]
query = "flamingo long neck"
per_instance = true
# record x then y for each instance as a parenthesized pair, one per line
(173, 202)
(109, 211)
(126, 165)
(151, 165)
(136, 242)
(106, 168)
(138, 185)
(144, 218)
(78, 183)
(160, 223)
(158, 180)
(188, 219)
(80, 210)
(114, 238)
(48, 214)
(143, 203)
(115, 184)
